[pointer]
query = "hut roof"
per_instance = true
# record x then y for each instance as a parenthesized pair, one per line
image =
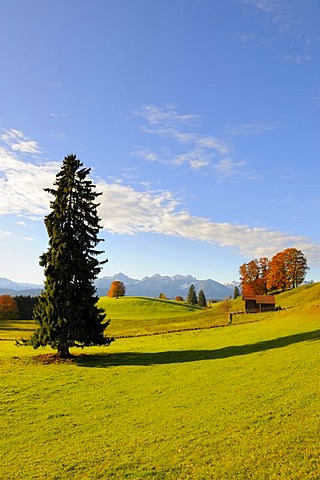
(261, 299)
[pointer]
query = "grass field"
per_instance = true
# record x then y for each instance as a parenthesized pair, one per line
(145, 307)
(143, 315)
(240, 402)
(133, 316)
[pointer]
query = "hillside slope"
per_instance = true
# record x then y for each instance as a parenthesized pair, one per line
(239, 402)
(146, 307)
(301, 296)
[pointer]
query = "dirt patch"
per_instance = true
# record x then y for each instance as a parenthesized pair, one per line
(49, 358)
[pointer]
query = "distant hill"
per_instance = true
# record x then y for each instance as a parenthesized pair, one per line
(148, 286)
(8, 287)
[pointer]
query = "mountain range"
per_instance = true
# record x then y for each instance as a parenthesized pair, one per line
(8, 287)
(148, 286)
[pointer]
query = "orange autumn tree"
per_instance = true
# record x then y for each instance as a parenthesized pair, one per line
(117, 289)
(287, 269)
(253, 277)
(8, 308)
(179, 298)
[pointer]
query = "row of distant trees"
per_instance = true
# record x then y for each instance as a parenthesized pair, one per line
(285, 270)
(192, 297)
(17, 307)
(178, 298)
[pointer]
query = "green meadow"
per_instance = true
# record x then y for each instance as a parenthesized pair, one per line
(230, 402)
(142, 316)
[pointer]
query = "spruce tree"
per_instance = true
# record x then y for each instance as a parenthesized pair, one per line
(202, 302)
(192, 296)
(236, 292)
(67, 313)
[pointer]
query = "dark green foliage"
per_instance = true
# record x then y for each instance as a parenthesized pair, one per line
(202, 302)
(192, 296)
(67, 312)
(236, 293)
(26, 304)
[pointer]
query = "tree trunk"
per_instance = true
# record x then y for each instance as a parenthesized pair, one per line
(63, 351)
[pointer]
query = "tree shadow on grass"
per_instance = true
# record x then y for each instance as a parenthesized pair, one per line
(183, 356)
(22, 329)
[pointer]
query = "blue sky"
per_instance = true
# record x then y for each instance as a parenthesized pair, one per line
(199, 118)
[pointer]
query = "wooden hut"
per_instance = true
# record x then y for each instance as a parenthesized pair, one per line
(259, 303)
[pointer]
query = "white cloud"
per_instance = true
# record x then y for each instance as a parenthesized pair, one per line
(148, 155)
(27, 146)
(4, 234)
(127, 211)
(266, 6)
(22, 183)
(195, 159)
(212, 143)
(18, 142)
(11, 135)
(298, 58)
(204, 141)
(251, 128)
(166, 123)
(196, 164)
(58, 136)
(227, 167)
(247, 37)
(289, 19)
(155, 115)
